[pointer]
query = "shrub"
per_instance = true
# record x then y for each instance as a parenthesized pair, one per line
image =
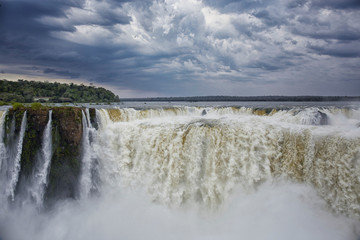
(2, 103)
(17, 105)
(36, 105)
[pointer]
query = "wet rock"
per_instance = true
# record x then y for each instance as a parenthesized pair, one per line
(37, 119)
(68, 119)
(323, 118)
(318, 118)
(65, 164)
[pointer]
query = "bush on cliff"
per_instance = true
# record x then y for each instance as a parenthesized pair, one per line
(36, 106)
(17, 105)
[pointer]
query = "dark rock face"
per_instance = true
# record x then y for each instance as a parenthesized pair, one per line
(38, 119)
(65, 165)
(323, 118)
(66, 144)
(68, 120)
(320, 118)
(36, 123)
(92, 113)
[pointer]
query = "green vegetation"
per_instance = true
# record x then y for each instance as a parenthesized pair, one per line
(32, 91)
(36, 106)
(17, 105)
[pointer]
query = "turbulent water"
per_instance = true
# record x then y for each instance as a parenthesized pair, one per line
(87, 182)
(205, 173)
(40, 176)
(13, 162)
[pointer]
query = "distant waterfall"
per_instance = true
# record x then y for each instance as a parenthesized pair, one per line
(2, 144)
(41, 172)
(13, 172)
(88, 156)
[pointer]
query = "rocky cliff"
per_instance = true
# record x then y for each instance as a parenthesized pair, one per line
(66, 146)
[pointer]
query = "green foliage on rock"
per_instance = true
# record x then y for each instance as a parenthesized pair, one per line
(31, 91)
(17, 105)
(36, 106)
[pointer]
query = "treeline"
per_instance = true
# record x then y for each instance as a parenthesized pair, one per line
(33, 91)
(248, 99)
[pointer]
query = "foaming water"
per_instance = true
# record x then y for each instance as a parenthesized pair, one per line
(199, 155)
(40, 177)
(14, 169)
(88, 156)
(2, 144)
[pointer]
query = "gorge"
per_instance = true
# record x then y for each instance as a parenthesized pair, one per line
(181, 157)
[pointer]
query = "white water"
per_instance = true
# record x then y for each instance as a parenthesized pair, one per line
(2, 144)
(42, 168)
(185, 156)
(15, 169)
(86, 181)
(276, 211)
(226, 173)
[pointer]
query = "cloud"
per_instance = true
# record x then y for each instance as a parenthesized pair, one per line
(342, 52)
(61, 73)
(182, 47)
(336, 4)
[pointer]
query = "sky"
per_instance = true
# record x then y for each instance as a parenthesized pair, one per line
(156, 48)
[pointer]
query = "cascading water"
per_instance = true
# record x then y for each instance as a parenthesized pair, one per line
(200, 155)
(13, 171)
(259, 173)
(86, 179)
(2, 144)
(40, 175)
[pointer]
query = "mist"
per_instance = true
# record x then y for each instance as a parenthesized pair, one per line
(276, 210)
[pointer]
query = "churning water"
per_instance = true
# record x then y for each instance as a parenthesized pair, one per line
(190, 172)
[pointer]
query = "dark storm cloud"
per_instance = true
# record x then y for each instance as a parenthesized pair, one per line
(340, 34)
(184, 47)
(337, 4)
(269, 19)
(236, 5)
(296, 3)
(336, 52)
(21, 17)
(62, 73)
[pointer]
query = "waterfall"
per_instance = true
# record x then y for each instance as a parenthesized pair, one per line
(14, 171)
(88, 118)
(41, 173)
(87, 161)
(203, 171)
(2, 144)
(186, 157)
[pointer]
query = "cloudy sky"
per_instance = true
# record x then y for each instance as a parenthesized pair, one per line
(149, 48)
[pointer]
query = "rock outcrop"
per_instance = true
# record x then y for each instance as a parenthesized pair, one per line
(65, 163)
(66, 144)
